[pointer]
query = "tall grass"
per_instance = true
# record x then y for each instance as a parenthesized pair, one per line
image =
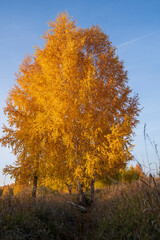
(124, 211)
(129, 212)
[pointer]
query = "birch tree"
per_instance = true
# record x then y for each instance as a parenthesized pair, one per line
(84, 112)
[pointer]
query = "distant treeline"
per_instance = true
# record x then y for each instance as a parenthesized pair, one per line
(126, 175)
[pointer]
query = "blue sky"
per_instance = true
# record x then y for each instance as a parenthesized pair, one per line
(133, 26)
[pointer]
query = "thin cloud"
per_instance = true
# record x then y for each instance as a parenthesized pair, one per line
(137, 39)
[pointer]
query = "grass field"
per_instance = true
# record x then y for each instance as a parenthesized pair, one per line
(123, 211)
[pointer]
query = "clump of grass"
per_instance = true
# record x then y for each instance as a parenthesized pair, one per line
(129, 211)
(124, 211)
(48, 217)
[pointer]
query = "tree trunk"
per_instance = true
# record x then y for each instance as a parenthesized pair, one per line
(35, 179)
(69, 186)
(92, 190)
(82, 198)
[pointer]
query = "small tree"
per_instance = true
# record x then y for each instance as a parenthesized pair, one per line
(7, 191)
(1, 191)
(129, 175)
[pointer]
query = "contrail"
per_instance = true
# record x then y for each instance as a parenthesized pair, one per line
(136, 39)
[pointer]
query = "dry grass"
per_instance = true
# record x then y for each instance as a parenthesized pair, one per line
(130, 211)
(125, 211)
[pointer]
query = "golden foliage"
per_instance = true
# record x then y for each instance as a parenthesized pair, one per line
(71, 114)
